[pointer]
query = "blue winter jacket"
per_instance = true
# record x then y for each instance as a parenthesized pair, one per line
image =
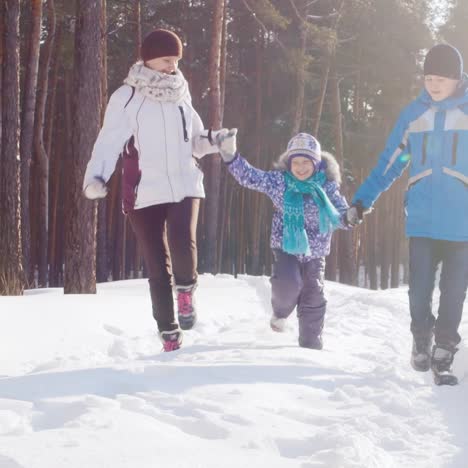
(432, 139)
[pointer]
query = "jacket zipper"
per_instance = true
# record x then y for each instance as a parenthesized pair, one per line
(454, 149)
(424, 149)
(184, 123)
(165, 145)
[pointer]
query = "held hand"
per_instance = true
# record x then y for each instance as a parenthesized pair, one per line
(95, 189)
(355, 214)
(227, 143)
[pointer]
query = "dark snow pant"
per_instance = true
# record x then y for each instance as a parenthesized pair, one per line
(167, 236)
(425, 255)
(295, 284)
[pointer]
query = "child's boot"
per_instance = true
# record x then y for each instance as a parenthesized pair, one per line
(186, 306)
(313, 342)
(277, 324)
(442, 359)
(310, 330)
(421, 353)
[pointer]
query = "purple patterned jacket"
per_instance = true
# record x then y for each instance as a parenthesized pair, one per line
(272, 184)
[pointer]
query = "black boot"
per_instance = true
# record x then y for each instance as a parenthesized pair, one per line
(442, 359)
(421, 353)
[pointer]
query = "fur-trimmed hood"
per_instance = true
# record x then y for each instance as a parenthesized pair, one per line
(331, 166)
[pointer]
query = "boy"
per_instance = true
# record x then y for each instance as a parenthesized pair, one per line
(431, 136)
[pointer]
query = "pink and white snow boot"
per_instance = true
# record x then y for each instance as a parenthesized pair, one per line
(186, 312)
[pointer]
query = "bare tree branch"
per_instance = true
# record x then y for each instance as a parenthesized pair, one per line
(348, 39)
(330, 15)
(296, 11)
(265, 29)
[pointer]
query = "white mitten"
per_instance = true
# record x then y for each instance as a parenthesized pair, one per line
(95, 189)
(226, 141)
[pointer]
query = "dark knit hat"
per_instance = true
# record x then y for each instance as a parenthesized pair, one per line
(444, 60)
(161, 43)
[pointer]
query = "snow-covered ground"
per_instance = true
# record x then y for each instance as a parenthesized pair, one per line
(83, 383)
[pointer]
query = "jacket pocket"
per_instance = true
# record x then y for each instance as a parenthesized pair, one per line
(456, 175)
(131, 175)
(458, 151)
(417, 195)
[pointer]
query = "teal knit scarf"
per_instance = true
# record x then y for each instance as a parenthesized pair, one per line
(295, 239)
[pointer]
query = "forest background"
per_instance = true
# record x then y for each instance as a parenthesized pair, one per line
(339, 69)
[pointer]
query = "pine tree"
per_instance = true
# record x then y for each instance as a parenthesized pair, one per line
(80, 221)
(11, 270)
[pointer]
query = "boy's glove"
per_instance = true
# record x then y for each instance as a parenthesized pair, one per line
(355, 214)
(95, 189)
(226, 141)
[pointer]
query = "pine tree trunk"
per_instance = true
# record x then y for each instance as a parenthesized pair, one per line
(137, 20)
(56, 155)
(27, 128)
(357, 101)
(223, 61)
(53, 88)
(223, 194)
(331, 266)
(114, 215)
(240, 237)
(39, 145)
(2, 13)
(214, 163)
(346, 259)
(395, 260)
(317, 111)
(300, 85)
(11, 270)
(255, 226)
(102, 264)
(80, 223)
(371, 251)
(61, 154)
(119, 237)
(329, 57)
(55, 152)
(385, 241)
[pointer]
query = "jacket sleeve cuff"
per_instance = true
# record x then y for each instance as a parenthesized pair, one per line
(236, 156)
(202, 144)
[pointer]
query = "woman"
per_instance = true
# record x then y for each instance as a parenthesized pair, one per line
(151, 122)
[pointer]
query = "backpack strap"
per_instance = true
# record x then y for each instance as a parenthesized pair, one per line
(131, 96)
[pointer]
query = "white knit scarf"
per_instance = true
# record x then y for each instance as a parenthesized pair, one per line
(157, 85)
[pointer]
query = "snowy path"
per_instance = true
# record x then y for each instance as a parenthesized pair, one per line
(83, 382)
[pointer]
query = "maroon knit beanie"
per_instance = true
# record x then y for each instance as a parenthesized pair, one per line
(161, 43)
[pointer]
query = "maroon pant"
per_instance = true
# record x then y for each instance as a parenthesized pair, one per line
(167, 236)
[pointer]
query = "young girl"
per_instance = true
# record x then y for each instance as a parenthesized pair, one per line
(151, 122)
(307, 208)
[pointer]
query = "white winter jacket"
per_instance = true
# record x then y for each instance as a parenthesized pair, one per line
(158, 162)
